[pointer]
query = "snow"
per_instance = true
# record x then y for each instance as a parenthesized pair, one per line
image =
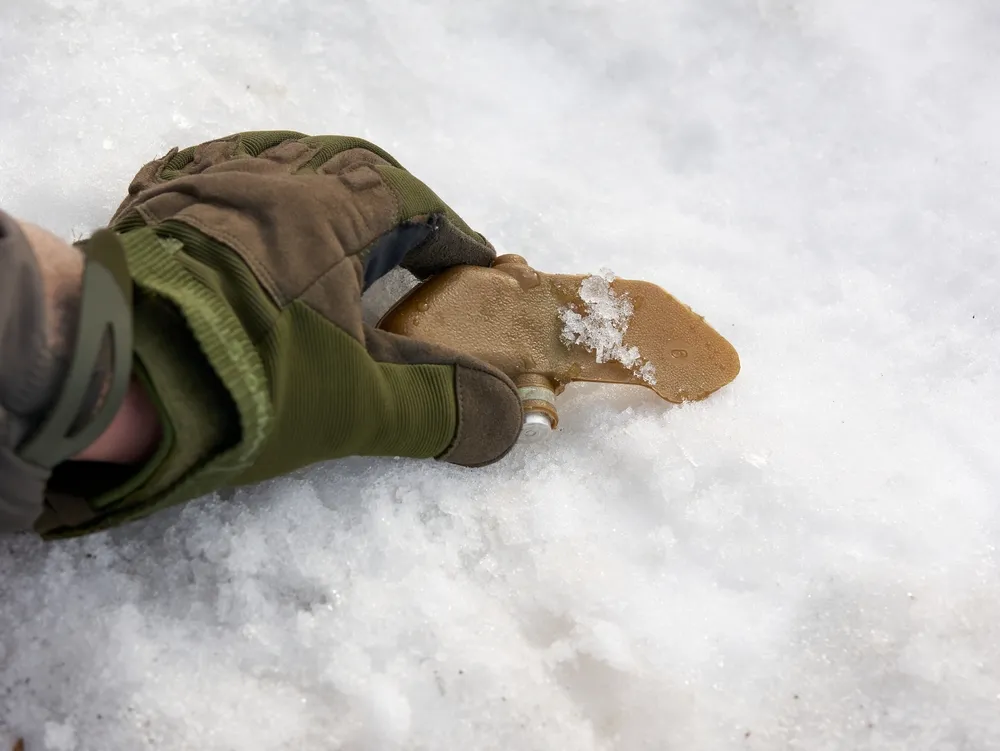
(601, 325)
(806, 560)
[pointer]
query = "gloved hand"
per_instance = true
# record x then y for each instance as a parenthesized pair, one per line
(249, 256)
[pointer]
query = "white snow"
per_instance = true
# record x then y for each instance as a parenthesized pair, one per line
(600, 326)
(806, 560)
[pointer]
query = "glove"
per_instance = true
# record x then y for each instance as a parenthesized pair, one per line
(257, 248)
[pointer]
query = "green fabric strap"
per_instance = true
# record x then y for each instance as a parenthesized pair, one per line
(105, 320)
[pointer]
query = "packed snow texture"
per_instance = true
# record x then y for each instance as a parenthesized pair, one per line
(806, 560)
(601, 325)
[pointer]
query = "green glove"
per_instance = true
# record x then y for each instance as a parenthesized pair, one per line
(249, 256)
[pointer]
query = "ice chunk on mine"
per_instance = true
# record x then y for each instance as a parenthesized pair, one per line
(600, 327)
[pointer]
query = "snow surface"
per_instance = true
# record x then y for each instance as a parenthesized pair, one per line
(806, 560)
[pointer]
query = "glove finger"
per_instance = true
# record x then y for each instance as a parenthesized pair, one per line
(479, 404)
(424, 246)
(389, 250)
(452, 242)
(449, 244)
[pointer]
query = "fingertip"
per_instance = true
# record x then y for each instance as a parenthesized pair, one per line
(489, 420)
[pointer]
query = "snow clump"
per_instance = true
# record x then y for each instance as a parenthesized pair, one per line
(601, 327)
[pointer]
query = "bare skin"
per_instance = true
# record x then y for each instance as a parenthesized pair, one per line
(135, 432)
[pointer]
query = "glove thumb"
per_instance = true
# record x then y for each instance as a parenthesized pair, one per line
(480, 405)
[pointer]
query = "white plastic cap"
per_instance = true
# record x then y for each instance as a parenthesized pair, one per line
(537, 427)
